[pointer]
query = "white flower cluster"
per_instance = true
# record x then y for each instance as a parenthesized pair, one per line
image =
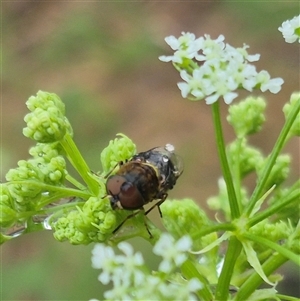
(133, 281)
(291, 30)
(212, 69)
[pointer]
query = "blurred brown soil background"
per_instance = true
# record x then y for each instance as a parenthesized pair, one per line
(101, 58)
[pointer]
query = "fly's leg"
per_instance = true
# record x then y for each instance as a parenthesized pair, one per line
(157, 205)
(131, 216)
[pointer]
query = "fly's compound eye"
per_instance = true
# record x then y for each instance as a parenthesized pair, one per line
(114, 184)
(130, 197)
(127, 190)
(124, 193)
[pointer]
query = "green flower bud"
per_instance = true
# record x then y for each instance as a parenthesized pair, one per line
(103, 217)
(65, 229)
(295, 129)
(46, 122)
(248, 158)
(272, 231)
(5, 197)
(13, 201)
(8, 216)
(55, 171)
(247, 117)
(44, 100)
(47, 151)
(93, 222)
(118, 150)
(26, 194)
(181, 217)
(52, 172)
(26, 170)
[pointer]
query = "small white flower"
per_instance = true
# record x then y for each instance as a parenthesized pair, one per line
(291, 30)
(186, 46)
(212, 98)
(132, 281)
(182, 291)
(115, 267)
(104, 277)
(244, 53)
(194, 84)
(148, 288)
(253, 57)
(102, 256)
(274, 85)
(266, 83)
(131, 258)
(173, 253)
(119, 292)
(229, 97)
(210, 48)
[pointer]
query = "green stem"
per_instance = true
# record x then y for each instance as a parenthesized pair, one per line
(234, 207)
(76, 159)
(254, 281)
(292, 197)
(237, 172)
(61, 195)
(258, 191)
(271, 245)
(39, 208)
(62, 191)
(287, 298)
(211, 229)
(74, 182)
(33, 227)
(233, 251)
(61, 207)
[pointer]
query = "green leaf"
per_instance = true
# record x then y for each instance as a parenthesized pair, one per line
(254, 262)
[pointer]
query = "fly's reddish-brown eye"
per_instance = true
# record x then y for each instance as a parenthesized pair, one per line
(130, 197)
(127, 189)
(113, 184)
(124, 192)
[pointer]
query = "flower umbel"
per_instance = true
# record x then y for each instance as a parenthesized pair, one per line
(212, 69)
(47, 121)
(120, 149)
(93, 221)
(247, 117)
(131, 278)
